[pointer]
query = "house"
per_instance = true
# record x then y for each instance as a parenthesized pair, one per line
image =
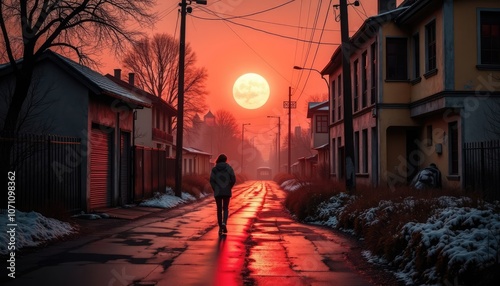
(318, 112)
(80, 102)
(423, 84)
(196, 161)
(153, 126)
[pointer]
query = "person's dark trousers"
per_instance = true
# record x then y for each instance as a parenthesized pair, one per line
(222, 206)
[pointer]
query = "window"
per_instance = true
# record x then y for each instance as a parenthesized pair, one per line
(339, 96)
(356, 86)
(429, 135)
(490, 37)
(416, 55)
(356, 151)
(364, 68)
(364, 138)
(373, 52)
(334, 163)
(157, 117)
(453, 145)
(430, 43)
(396, 65)
(321, 123)
(333, 101)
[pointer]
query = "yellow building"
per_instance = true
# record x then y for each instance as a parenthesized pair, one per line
(425, 79)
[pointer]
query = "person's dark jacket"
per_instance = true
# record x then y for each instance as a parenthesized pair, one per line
(222, 179)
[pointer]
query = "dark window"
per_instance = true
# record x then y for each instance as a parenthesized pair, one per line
(453, 132)
(356, 86)
(429, 135)
(373, 51)
(364, 138)
(157, 113)
(430, 37)
(364, 68)
(334, 163)
(416, 55)
(396, 66)
(339, 96)
(321, 124)
(333, 101)
(356, 151)
(490, 37)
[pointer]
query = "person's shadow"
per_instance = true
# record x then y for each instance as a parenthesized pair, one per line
(221, 244)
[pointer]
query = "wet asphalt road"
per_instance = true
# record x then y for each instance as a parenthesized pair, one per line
(264, 246)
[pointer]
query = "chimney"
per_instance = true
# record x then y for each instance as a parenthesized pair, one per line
(118, 73)
(386, 5)
(131, 77)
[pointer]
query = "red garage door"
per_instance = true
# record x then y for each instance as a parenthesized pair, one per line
(100, 169)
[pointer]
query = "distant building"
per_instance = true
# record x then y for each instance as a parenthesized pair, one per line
(318, 112)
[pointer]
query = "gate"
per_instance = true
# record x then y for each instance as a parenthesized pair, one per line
(482, 168)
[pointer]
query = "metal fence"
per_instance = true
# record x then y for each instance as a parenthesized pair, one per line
(482, 168)
(47, 171)
(152, 171)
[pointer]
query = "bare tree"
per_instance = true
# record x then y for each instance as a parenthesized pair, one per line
(226, 131)
(28, 28)
(155, 61)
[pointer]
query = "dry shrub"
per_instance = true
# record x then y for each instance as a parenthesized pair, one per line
(304, 201)
(194, 184)
(280, 178)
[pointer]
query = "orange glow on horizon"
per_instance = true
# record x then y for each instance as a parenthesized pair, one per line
(269, 43)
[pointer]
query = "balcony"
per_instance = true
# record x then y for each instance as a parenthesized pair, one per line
(162, 136)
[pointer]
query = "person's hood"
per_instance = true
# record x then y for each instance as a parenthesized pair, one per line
(221, 166)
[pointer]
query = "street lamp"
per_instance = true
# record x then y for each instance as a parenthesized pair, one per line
(278, 141)
(311, 69)
(242, 140)
(180, 96)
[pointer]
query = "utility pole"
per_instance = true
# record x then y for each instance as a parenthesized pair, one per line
(278, 140)
(289, 129)
(180, 102)
(242, 142)
(180, 95)
(346, 71)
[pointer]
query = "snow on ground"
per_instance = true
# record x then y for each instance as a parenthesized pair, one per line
(463, 237)
(31, 229)
(167, 200)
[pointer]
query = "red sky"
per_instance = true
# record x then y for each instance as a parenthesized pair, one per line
(229, 50)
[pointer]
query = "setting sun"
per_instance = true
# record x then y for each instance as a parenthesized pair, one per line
(251, 91)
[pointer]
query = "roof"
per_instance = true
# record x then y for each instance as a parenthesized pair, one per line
(368, 30)
(195, 151)
(155, 100)
(209, 114)
(324, 146)
(93, 80)
(315, 107)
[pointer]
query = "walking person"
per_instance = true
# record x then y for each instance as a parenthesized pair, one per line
(222, 180)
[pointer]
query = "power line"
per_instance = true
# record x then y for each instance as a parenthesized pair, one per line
(253, 50)
(316, 17)
(316, 53)
(254, 13)
(274, 34)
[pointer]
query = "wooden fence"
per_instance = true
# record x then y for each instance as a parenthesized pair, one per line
(152, 171)
(482, 168)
